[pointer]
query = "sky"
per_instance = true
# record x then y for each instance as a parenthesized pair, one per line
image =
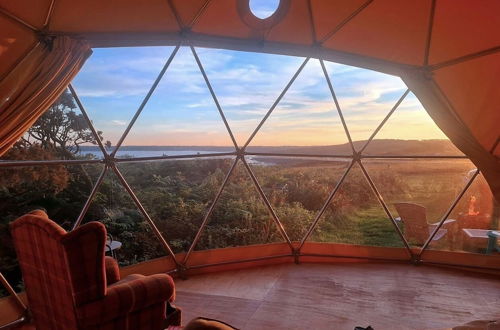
(181, 111)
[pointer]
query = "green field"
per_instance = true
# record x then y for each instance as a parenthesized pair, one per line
(177, 195)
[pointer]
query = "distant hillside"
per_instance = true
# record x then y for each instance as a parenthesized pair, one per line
(381, 147)
(412, 147)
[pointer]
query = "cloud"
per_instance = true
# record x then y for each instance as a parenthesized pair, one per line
(119, 122)
(246, 85)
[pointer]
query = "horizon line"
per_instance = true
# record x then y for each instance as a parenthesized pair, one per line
(296, 145)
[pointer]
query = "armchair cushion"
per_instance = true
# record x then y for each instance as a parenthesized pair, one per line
(127, 296)
(449, 223)
(112, 270)
(446, 223)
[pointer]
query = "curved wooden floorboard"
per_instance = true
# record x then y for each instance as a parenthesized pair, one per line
(341, 296)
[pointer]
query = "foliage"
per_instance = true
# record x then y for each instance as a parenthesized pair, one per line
(177, 195)
(20, 180)
(61, 128)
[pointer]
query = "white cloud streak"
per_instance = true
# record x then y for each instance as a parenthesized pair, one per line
(246, 89)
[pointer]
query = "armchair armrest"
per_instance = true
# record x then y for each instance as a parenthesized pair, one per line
(125, 297)
(112, 270)
(449, 223)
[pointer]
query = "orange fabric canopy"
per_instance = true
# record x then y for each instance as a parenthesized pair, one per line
(453, 44)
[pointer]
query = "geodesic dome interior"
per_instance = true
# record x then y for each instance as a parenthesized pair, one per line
(446, 52)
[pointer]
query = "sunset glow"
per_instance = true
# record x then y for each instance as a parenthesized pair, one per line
(181, 111)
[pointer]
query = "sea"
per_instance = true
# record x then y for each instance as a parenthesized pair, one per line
(158, 151)
(143, 152)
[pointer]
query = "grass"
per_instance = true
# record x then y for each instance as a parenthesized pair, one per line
(377, 229)
(363, 227)
(431, 183)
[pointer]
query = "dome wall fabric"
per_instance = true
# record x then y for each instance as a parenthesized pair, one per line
(447, 51)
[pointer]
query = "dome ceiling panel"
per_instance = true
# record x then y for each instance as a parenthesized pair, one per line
(327, 15)
(459, 30)
(479, 107)
(15, 41)
(35, 15)
(113, 16)
(187, 10)
(295, 27)
(403, 25)
(231, 25)
(388, 29)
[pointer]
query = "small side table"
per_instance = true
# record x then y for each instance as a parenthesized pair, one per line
(112, 246)
(483, 234)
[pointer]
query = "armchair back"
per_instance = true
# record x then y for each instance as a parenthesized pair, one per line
(60, 270)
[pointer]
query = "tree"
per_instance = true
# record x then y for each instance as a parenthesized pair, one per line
(61, 128)
(56, 134)
(108, 145)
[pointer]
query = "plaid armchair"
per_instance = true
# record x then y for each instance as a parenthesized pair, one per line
(70, 284)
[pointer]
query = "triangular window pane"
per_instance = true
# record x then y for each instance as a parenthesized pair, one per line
(240, 217)
(306, 119)
(114, 81)
(355, 216)
(419, 192)
(180, 118)
(365, 98)
(113, 206)
(177, 193)
(411, 131)
(297, 187)
(247, 84)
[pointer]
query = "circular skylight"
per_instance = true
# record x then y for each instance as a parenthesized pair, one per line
(263, 8)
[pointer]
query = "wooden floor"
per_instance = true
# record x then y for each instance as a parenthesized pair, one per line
(341, 296)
